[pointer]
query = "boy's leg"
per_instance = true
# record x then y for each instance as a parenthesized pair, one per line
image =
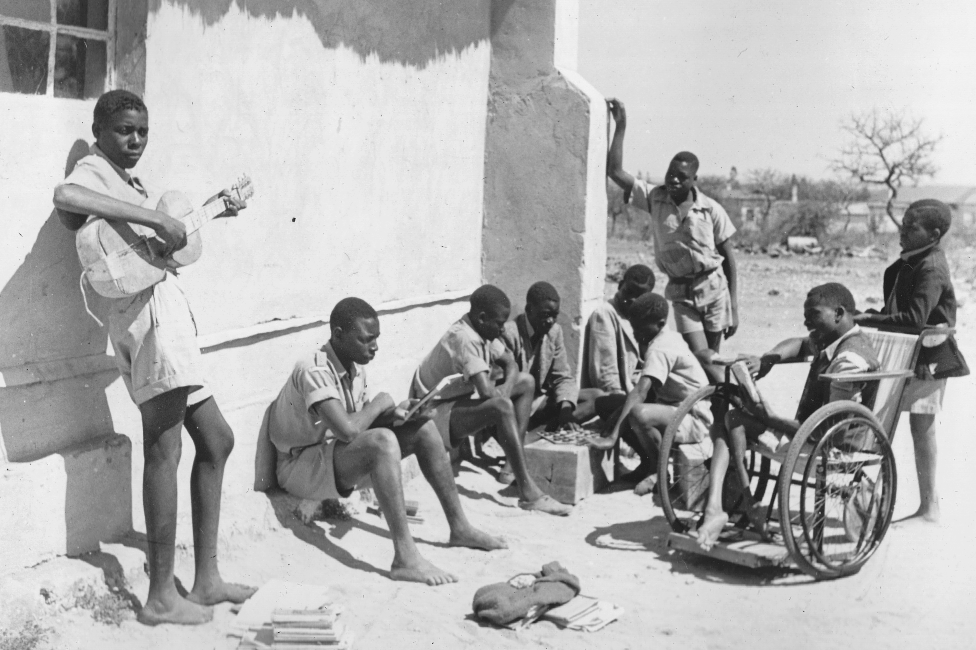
(214, 440)
(926, 456)
(470, 416)
(734, 434)
(376, 453)
(644, 431)
(162, 428)
(426, 442)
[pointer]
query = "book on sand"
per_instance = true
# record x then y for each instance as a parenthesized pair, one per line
(584, 613)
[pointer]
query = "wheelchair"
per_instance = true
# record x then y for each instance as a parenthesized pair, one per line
(828, 497)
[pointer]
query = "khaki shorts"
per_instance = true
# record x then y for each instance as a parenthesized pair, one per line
(923, 396)
(310, 473)
(155, 341)
(694, 427)
(703, 304)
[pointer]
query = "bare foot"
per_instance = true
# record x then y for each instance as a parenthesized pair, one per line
(422, 571)
(222, 592)
(474, 538)
(710, 529)
(931, 515)
(756, 513)
(180, 612)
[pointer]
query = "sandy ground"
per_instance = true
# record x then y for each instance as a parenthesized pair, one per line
(911, 594)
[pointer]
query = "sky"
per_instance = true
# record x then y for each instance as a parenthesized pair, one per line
(766, 84)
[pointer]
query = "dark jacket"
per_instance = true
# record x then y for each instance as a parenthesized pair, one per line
(919, 294)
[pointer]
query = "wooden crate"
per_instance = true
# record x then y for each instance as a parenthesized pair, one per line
(568, 473)
(691, 476)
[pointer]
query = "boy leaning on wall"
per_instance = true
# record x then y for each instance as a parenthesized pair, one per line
(154, 338)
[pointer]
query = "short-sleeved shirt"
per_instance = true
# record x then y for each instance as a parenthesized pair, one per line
(292, 423)
(685, 236)
(460, 351)
(99, 174)
(671, 362)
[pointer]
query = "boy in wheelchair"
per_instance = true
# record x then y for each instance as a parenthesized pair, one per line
(837, 346)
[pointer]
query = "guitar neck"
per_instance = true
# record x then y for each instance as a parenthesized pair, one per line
(198, 218)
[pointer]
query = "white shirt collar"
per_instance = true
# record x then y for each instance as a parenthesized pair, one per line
(832, 348)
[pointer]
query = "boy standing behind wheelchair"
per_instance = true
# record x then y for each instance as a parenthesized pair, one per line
(918, 294)
(838, 346)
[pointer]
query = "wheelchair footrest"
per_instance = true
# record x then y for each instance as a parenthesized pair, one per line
(746, 550)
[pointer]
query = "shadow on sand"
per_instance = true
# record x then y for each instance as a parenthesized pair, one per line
(652, 536)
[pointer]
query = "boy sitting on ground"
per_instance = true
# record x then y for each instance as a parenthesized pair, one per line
(838, 346)
(331, 436)
(536, 341)
(611, 354)
(671, 372)
(469, 348)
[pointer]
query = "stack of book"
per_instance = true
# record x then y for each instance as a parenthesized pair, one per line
(584, 613)
(308, 629)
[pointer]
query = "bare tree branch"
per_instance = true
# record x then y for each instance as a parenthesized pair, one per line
(886, 148)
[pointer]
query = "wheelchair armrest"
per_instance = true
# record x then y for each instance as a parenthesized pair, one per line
(848, 377)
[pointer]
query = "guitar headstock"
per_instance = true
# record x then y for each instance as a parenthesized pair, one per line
(243, 189)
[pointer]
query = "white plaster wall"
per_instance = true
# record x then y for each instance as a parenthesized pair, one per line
(368, 173)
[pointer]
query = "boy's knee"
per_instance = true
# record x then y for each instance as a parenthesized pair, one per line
(383, 443)
(501, 407)
(222, 444)
(524, 384)
(165, 449)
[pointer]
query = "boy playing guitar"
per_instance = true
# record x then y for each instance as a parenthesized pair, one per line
(154, 338)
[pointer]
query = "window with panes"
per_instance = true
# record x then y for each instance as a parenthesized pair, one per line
(58, 48)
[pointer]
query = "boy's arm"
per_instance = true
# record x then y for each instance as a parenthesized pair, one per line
(929, 286)
(615, 156)
(83, 201)
(637, 396)
(346, 426)
(731, 274)
(563, 381)
(602, 364)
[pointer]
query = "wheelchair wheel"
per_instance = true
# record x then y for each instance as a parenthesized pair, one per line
(837, 490)
(683, 467)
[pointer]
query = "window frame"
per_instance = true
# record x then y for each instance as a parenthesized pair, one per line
(53, 28)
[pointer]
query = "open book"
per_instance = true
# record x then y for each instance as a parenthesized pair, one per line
(451, 387)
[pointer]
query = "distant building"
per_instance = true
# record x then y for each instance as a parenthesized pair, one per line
(960, 198)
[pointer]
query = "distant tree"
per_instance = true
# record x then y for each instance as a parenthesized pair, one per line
(885, 148)
(772, 186)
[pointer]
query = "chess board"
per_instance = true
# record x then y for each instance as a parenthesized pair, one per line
(578, 437)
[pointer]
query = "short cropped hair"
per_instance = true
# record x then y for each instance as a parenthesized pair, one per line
(931, 214)
(348, 310)
(489, 299)
(687, 157)
(649, 307)
(833, 294)
(638, 274)
(114, 101)
(541, 292)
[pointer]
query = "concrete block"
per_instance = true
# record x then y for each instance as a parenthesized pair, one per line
(691, 475)
(568, 473)
(65, 504)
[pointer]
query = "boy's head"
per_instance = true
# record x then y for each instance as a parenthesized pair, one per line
(121, 127)
(490, 308)
(355, 329)
(637, 281)
(542, 306)
(648, 316)
(925, 222)
(681, 176)
(828, 312)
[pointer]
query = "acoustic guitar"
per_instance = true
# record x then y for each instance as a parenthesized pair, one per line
(121, 259)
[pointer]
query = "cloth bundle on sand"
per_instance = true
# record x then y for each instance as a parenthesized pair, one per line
(502, 603)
